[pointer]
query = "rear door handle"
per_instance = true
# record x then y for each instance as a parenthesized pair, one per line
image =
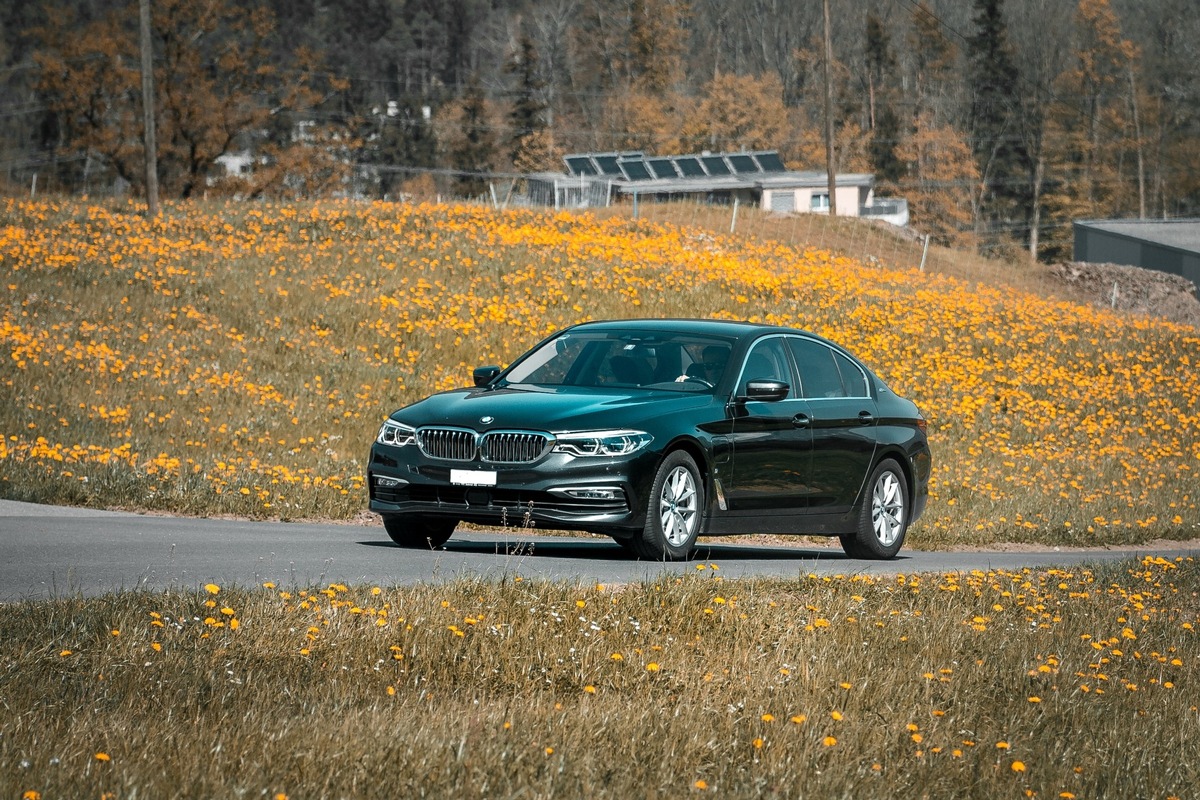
(866, 417)
(801, 421)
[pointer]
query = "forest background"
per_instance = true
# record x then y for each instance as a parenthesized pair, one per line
(1000, 121)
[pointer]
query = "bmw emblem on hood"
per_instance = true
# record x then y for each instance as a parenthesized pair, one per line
(486, 420)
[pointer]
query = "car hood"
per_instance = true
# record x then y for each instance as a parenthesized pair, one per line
(555, 410)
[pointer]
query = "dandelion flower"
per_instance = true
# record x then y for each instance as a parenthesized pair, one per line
(701, 785)
(212, 588)
(758, 743)
(1018, 766)
(829, 741)
(652, 666)
(103, 757)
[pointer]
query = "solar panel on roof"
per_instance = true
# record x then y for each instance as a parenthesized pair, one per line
(743, 162)
(580, 165)
(607, 164)
(770, 162)
(715, 165)
(662, 167)
(635, 170)
(689, 166)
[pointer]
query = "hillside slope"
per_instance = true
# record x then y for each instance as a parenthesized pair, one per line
(238, 358)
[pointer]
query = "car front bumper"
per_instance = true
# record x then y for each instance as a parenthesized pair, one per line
(559, 491)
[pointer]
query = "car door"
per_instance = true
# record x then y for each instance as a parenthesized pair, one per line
(771, 442)
(843, 424)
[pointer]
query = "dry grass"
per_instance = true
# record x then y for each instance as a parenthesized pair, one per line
(238, 358)
(1054, 684)
(871, 242)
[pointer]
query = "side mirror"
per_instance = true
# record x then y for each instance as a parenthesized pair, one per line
(485, 375)
(766, 391)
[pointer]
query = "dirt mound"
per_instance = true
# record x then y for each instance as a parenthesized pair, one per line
(1139, 291)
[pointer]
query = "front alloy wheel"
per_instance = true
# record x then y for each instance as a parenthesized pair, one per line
(675, 511)
(883, 519)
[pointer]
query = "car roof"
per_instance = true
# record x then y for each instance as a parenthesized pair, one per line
(712, 327)
(715, 327)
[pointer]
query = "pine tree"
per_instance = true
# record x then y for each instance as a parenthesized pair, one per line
(995, 106)
(883, 120)
(474, 152)
(934, 59)
(527, 115)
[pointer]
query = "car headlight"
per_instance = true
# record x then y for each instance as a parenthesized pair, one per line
(602, 443)
(395, 434)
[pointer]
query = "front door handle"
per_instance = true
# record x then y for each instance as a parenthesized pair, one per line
(801, 421)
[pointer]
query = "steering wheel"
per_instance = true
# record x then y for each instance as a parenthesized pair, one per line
(696, 378)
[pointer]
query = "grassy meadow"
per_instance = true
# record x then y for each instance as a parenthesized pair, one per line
(1039, 683)
(238, 358)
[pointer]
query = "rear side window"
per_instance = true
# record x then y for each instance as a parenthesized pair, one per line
(825, 372)
(853, 379)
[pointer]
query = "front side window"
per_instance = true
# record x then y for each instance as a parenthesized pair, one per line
(767, 361)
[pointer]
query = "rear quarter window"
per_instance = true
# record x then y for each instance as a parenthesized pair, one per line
(853, 380)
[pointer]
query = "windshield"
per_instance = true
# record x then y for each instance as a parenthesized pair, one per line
(626, 359)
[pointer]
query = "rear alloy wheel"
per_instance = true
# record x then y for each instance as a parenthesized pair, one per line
(883, 519)
(674, 513)
(425, 533)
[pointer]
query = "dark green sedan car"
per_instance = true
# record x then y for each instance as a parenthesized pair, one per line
(656, 432)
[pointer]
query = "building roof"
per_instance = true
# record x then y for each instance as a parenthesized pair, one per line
(637, 173)
(1181, 234)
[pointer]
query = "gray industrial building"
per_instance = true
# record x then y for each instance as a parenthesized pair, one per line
(1171, 246)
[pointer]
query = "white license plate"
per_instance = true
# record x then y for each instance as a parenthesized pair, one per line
(472, 477)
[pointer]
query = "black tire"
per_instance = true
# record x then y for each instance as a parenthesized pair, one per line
(425, 533)
(674, 513)
(883, 518)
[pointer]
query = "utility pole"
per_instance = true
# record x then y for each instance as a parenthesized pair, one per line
(151, 144)
(829, 115)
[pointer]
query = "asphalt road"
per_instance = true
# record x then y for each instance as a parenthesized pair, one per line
(48, 551)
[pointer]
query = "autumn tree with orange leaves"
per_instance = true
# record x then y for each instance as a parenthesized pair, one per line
(217, 84)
